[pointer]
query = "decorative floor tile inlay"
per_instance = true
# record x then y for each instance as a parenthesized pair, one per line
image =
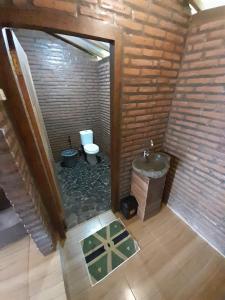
(107, 249)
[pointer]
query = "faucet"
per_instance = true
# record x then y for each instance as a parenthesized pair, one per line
(147, 152)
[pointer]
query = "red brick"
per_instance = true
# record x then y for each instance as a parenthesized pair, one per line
(131, 71)
(216, 34)
(174, 37)
(140, 40)
(100, 15)
(179, 48)
(129, 24)
(152, 20)
(136, 112)
(153, 31)
(169, 73)
(165, 63)
(211, 89)
(160, 10)
(164, 45)
(126, 60)
(92, 1)
(145, 117)
(140, 16)
(147, 89)
(208, 45)
(152, 52)
(220, 79)
(144, 62)
(216, 52)
(199, 80)
(20, 2)
(132, 50)
(116, 7)
(139, 3)
(138, 97)
(65, 6)
(192, 39)
(212, 25)
(129, 106)
(200, 72)
(184, 89)
(204, 63)
(179, 18)
(193, 56)
(150, 72)
(170, 26)
(130, 89)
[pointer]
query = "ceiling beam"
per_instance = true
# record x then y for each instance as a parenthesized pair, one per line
(197, 4)
(99, 44)
(71, 43)
(84, 44)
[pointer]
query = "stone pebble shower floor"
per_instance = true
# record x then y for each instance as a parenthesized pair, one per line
(85, 190)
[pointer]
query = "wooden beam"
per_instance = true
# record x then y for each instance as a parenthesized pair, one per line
(60, 37)
(208, 15)
(192, 2)
(197, 4)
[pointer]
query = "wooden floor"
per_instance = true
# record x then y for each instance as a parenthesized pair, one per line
(174, 263)
(26, 274)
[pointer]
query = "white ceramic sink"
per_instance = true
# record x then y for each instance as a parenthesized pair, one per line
(155, 166)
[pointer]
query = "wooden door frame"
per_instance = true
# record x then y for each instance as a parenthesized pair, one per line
(52, 21)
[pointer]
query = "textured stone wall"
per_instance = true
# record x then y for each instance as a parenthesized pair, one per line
(104, 103)
(196, 133)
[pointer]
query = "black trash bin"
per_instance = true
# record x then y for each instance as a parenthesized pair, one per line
(69, 158)
(128, 206)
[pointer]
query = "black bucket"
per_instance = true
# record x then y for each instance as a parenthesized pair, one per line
(69, 158)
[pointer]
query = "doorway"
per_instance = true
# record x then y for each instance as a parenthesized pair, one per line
(71, 77)
(109, 36)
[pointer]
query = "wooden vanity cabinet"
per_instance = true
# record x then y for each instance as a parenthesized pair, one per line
(148, 193)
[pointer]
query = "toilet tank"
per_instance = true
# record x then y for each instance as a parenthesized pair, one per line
(86, 137)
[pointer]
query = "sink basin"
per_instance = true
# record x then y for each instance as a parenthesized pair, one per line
(155, 166)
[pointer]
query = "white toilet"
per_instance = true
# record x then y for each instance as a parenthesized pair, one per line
(86, 137)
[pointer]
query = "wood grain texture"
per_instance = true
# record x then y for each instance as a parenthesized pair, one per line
(25, 274)
(148, 193)
(173, 263)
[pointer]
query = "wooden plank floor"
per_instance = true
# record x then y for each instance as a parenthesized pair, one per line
(25, 274)
(174, 263)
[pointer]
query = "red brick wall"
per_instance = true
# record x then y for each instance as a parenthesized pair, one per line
(153, 34)
(19, 187)
(196, 134)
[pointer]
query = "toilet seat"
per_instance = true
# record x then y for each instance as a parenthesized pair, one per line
(91, 148)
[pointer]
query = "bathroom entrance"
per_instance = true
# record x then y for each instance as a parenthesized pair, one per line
(70, 83)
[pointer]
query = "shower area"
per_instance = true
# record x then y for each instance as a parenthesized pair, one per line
(71, 76)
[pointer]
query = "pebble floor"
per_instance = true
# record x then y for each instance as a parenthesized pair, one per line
(85, 190)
